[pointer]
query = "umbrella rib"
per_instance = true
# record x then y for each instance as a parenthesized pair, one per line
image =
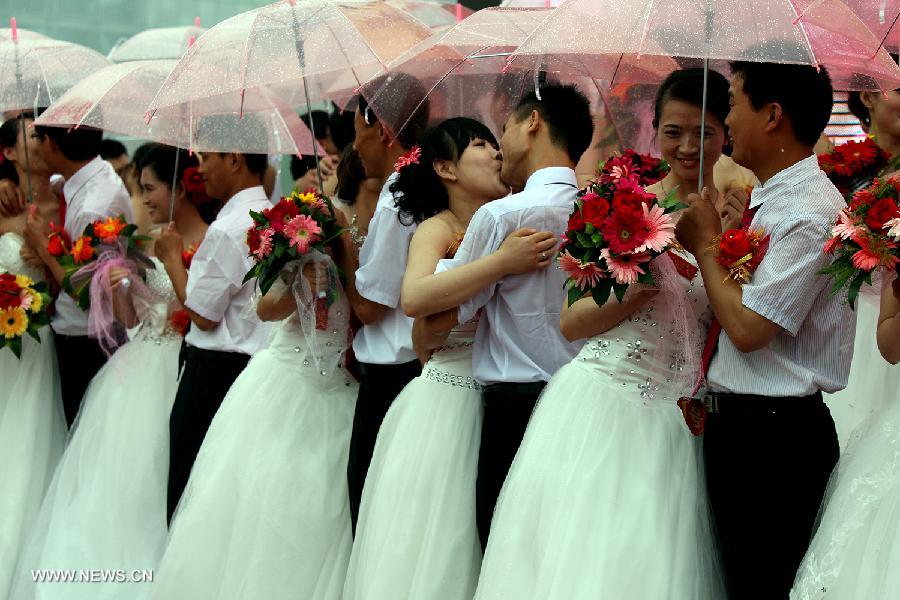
(99, 98)
(346, 58)
(809, 47)
(646, 28)
(888, 33)
(247, 59)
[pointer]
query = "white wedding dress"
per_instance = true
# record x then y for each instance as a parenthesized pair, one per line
(106, 506)
(416, 537)
(32, 425)
(265, 514)
(606, 497)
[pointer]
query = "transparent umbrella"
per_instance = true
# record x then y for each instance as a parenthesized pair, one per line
(881, 16)
(439, 16)
(113, 99)
(34, 72)
(157, 44)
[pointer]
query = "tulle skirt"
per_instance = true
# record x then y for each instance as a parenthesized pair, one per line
(855, 554)
(606, 498)
(32, 437)
(105, 509)
(265, 515)
(416, 536)
(873, 381)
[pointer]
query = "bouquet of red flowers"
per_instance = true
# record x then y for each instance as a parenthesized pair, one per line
(853, 165)
(865, 237)
(616, 227)
(642, 169)
(24, 308)
(104, 243)
(286, 232)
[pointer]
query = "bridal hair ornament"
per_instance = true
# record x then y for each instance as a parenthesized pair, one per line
(410, 158)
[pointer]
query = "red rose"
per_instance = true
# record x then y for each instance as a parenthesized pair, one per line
(576, 221)
(180, 320)
(735, 245)
(195, 186)
(9, 291)
(862, 198)
(253, 239)
(595, 211)
(881, 212)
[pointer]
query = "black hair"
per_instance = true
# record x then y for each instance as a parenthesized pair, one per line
(140, 152)
(320, 122)
(81, 144)
(9, 138)
(418, 191)
(300, 165)
(402, 99)
(567, 113)
(350, 175)
(686, 85)
(160, 159)
(340, 125)
(804, 94)
(855, 103)
(110, 148)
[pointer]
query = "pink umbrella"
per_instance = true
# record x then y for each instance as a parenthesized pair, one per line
(157, 44)
(113, 99)
(881, 16)
(439, 16)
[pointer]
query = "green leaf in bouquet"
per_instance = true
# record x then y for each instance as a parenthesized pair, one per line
(574, 293)
(33, 332)
(671, 203)
(856, 285)
(589, 228)
(600, 292)
(258, 218)
(128, 230)
(83, 295)
(596, 238)
(584, 240)
(267, 279)
(281, 247)
(646, 278)
(620, 289)
(14, 344)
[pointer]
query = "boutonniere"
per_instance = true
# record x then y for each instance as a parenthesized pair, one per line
(740, 251)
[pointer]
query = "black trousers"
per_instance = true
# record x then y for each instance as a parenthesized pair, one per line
(768, 461)
(79, 358)
(507, 409)
(379, 385)
(205, 379)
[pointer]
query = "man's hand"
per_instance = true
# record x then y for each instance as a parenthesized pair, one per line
(12, 200)
(169, 245)
(30, 257)
(328, 165)
(699, 223)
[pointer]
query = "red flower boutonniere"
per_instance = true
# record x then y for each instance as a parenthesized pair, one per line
(740, 251)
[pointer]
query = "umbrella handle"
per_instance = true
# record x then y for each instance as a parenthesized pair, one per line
(703, 125)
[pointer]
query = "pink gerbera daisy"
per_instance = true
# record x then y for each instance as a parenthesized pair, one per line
(265, 243)
(660, 230)
(585, 275)
(831, 245)
(25, 299)
(846, 226)
(627, 268)
(302, 231)
(618, 168)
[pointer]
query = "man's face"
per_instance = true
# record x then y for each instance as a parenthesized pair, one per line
(215, 173)
(120, 164)
(746, 126)
(514, 143)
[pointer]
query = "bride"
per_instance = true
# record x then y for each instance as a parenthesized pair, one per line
(32, 426)
(606, 497)
(106, 506)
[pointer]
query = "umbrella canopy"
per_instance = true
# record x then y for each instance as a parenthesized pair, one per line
(882, 17)
(598, 37)
(156, 44)
(113, 99)
(34, 72)
(6, 34)
(439, 16)
(304, 51)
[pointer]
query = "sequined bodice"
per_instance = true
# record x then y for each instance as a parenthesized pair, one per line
(451, 364)
(641, 356)
(155, 314)
(11, 258)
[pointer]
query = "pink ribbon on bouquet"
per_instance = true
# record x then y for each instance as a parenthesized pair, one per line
(101, 314)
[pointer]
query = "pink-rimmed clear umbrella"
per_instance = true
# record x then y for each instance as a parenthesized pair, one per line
(300, 51)
(463, 71)
(598, 37)
(439, 16)
(882, 17)
(157, 44)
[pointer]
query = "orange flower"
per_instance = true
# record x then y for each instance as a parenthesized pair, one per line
(82, 250)
(109, 229)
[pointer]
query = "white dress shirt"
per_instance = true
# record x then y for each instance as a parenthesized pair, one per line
(382, 264)
(518, 338)
(797, 207)
(214, 288)
(94, 192)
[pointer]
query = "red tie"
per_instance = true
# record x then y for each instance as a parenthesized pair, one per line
(715, 328)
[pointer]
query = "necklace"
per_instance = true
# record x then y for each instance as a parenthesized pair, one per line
(356, 237)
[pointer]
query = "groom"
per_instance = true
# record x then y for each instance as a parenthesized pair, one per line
(518, 345)
(769, 442)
